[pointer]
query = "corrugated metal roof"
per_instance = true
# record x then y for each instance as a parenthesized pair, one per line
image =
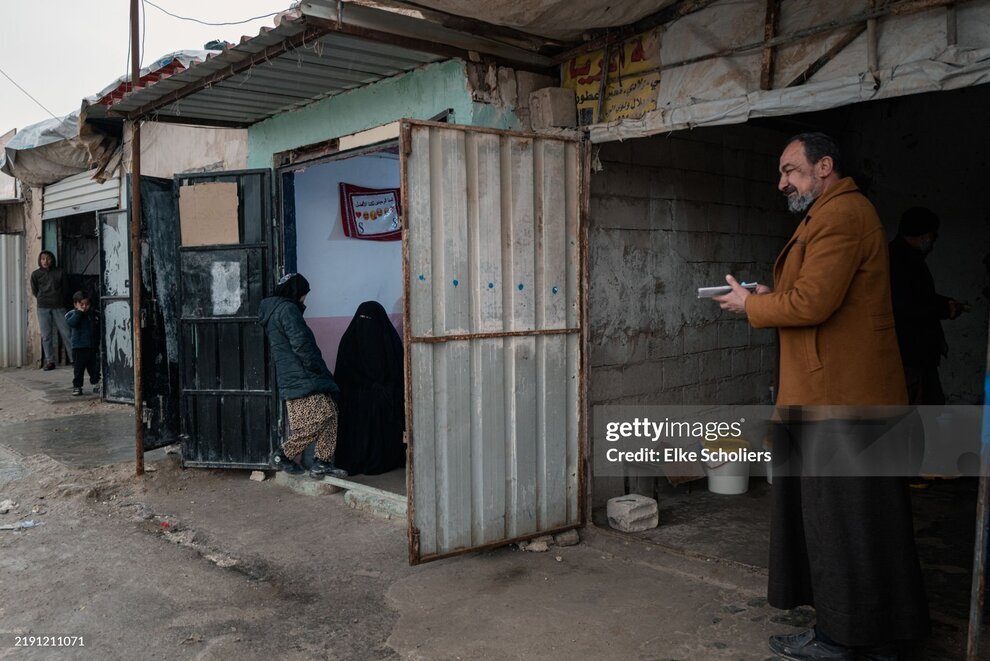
(322, 50)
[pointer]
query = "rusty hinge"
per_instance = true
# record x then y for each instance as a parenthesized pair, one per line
(405, 133)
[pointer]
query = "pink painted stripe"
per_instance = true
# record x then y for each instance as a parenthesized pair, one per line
(329, 330)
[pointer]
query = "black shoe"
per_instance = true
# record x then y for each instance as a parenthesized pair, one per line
(321, 469)
(49, 367)
(76, 392)
(292, 468)
(805, 647)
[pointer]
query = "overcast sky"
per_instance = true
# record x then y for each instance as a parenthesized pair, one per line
(63, 50)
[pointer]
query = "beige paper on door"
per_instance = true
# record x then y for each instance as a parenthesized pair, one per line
(208, 214)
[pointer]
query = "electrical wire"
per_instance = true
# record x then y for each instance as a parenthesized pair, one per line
(196, 20)
(28, 94)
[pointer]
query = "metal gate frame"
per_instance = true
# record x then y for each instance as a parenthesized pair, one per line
(268, 282)
(583, 494)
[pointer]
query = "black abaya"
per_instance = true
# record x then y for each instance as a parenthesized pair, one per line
(370, 372)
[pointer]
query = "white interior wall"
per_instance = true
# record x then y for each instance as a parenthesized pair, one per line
(343, 272)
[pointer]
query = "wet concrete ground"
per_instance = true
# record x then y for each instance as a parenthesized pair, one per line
(80, 441)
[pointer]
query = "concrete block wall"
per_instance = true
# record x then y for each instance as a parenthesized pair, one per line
(670, 214)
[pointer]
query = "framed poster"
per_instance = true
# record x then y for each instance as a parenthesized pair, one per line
(374, 214)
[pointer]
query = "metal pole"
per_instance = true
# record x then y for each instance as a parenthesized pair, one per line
(135, 217)
(979, 590)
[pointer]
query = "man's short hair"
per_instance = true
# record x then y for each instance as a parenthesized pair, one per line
(817, 146)
(917, 221)
(81, 295)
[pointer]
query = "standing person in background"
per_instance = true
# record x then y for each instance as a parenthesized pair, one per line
(304, 381)
(918, 308)
(47, 285)
(370, 373)
(85, 342)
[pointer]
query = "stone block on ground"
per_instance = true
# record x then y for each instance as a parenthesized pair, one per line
(258, 476)
(569, 538)
(538, 545)
(632, 513)
(7, 505)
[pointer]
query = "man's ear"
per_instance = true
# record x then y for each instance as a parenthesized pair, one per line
(825, 166)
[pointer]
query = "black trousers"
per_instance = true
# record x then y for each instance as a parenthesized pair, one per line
(85, 360)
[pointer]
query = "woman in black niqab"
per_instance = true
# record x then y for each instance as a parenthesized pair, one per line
(369, 372)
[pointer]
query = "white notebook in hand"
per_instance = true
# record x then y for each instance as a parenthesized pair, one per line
(709, 292)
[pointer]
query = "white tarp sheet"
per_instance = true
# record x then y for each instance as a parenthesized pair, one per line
(555, 19)
(913, 57)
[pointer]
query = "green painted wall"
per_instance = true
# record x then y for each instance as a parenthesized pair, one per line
(420, 94)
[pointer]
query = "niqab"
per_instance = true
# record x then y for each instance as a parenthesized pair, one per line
(370, 372)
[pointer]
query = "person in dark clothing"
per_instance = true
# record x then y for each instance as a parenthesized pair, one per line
(85, 341)
(47, 285)
(370, 373)
(304, 381)
(918, 308)
(842, 542)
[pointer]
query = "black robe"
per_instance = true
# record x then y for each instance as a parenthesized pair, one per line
(370, 372)
(844, 545)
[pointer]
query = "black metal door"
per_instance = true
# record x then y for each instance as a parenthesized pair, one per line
(227, 405)
(115, 307)
(159, 312)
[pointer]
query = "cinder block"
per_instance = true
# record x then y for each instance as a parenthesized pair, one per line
(708, 366)
(680, 371)
(553, 107)
(632, 513)
(641, 379)
(621, 212)
(700, 338)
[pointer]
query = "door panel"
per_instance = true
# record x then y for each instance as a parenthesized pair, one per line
(228, 402)
(493, 269)
(115, 307)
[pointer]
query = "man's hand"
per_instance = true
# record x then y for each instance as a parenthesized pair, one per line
(956, 308)
(735, 301)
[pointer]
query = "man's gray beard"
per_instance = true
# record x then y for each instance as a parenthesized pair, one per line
(800, 203)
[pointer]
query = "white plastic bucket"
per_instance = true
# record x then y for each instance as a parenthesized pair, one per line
(732, 477)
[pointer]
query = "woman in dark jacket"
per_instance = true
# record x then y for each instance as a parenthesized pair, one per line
(370, 373)
(304, 381)
(47, 285)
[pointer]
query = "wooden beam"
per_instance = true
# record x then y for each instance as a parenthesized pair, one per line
(769, 32)
(820, 63)
(951, 27)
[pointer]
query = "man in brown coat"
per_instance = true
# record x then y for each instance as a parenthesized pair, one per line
(844, 545)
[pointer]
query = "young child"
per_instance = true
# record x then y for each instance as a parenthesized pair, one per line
(85, 340)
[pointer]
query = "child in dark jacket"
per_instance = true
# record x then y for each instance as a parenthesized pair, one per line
(85, 339)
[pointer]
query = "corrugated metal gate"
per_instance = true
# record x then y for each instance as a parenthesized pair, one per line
(78, 194)
(493, 321)
(13, 307)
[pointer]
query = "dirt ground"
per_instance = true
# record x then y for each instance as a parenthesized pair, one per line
(207, 564)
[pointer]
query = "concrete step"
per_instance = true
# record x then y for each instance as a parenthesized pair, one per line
(381, 503)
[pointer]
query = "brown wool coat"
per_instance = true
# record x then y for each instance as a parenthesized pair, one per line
(831, 303)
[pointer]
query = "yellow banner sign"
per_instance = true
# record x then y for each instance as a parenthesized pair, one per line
(631, 84)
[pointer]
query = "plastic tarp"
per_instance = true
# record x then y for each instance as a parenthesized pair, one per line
(46, 152)
(49, 151)
(913, 55)
(555, 19)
